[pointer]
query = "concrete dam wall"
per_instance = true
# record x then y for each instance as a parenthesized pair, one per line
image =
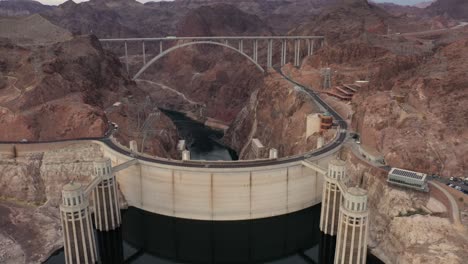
(218, 193)
(205, 193)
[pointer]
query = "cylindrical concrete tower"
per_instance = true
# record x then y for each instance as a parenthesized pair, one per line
(185, 155)
(353, 223)
(79, 243)
(331, 197)
(106, 200)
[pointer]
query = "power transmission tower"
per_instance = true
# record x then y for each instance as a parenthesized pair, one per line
(326, 75)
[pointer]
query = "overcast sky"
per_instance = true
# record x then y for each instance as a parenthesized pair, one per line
(403, 2)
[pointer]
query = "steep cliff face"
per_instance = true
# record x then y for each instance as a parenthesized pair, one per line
(54, 91)
(400, 229)
(30, 189)
(420, 123)
(276, 115)
(457, 9)
(66, 90)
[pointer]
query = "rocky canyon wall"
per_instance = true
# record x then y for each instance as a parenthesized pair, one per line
(276, 115)
(30, 195)
(401, 230)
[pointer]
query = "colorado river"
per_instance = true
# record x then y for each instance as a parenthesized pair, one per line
(202, 141)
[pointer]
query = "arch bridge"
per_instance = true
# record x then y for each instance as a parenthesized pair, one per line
(247, 46)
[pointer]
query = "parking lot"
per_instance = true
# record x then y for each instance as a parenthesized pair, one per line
(452, 183)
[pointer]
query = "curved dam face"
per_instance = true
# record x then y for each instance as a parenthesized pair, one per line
(206, 193)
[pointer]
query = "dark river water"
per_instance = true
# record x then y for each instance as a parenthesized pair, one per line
(151, 238)
(202, 141)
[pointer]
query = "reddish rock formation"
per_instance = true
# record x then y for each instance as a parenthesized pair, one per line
(276, 115)
(217, 79)
(426, 129)
(457, 9)
(411, 111)
(60, 91)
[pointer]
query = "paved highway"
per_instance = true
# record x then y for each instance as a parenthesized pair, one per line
(336, 143)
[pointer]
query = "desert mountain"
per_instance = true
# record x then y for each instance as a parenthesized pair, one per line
(33, 29)
(457, 9)
(22, 7)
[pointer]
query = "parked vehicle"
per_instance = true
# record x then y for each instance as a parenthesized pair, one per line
(451, 178)
(458, 188)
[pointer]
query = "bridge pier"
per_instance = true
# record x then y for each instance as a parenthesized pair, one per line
(144, 53)
(297, 51)
(126, 58)
(310, 47)
(284, 48)
(106, 200)
(241, 46)
(79, 243)
(255, 51)
(270, 53)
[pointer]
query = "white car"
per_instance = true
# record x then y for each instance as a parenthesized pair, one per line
(458, 188)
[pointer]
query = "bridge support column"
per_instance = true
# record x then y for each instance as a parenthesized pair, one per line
(106, 200)
(79, 242)
(255, 50)
(331, 198)
(270, 53)
(351, 241)
(126, 57)
(241, 46)
(144, 53)
(297, 51)
(160, 47)
(284, 48)
(310, 47)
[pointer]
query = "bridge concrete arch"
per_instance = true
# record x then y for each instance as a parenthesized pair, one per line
(166, 52)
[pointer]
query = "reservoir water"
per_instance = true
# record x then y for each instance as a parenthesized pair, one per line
(147, 238)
